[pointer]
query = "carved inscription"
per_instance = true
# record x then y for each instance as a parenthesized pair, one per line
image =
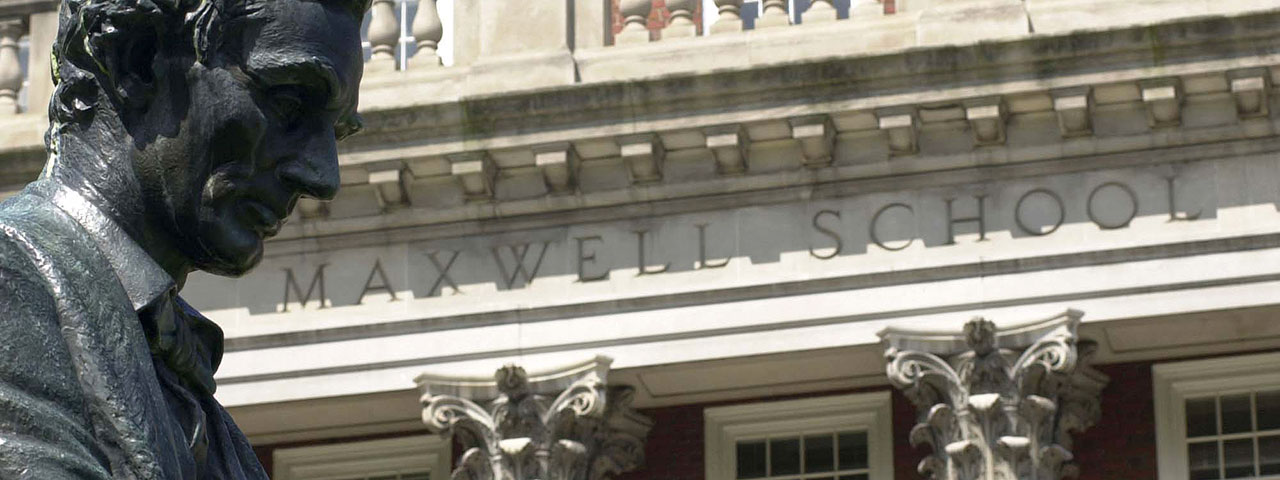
(890, 226)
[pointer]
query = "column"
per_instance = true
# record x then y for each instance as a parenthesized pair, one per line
(568, 424)
(10, 68)
(384, 32)
(728, 17)
(635, 22)
(41, 31)
(774, 14)
(997, 404)
(681, 24)
(819, 11)
(427, 32)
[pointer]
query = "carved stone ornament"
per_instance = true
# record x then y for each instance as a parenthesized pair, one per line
(565, 424)
(997, 404)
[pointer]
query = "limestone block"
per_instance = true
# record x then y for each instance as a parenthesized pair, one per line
(971, 21)
(509, 73)
(522, 27)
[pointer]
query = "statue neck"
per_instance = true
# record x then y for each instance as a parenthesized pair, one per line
(106, 179)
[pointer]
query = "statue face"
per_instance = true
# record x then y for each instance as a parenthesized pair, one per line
(260, 130)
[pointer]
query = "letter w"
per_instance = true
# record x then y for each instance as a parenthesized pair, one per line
(519, 252)
(291, 284)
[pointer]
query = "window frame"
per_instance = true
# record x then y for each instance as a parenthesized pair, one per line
(871, 412)
(364, 458)
(1174, 383)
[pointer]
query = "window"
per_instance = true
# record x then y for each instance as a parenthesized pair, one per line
(407, 458)
(1218, 418)
(846, 437)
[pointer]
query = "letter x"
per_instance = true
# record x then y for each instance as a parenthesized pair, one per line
(444, 271)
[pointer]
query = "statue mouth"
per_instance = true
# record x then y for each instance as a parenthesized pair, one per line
(263, 219)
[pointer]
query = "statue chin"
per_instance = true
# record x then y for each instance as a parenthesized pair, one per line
(228, 258)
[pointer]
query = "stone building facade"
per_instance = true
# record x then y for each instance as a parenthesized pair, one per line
(778, 239)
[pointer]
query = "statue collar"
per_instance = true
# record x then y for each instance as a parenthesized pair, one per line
(143, 279)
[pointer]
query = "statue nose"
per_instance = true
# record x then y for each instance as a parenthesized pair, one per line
(314, 171)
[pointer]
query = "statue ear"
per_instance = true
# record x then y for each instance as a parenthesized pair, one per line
(126, 52)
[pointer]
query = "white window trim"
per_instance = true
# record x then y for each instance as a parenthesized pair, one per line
(872, 412)
(1175, 382)
(367, 458)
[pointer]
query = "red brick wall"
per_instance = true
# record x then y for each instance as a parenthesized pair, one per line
(1123, 443)
(1120, 446)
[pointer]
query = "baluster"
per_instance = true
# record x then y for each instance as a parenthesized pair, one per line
(819, 11)
(10, 68)
(729, 17)
(427, 31)
(680, 25)
(635, 18)
(384, 32)
(774, 14)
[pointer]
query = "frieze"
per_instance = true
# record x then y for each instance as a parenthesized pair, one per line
(735, 242)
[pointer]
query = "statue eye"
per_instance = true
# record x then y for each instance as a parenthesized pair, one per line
(287, 103)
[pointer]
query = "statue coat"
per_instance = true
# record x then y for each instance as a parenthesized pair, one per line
(85, 393)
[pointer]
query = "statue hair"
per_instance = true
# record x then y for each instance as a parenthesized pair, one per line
(88, 30)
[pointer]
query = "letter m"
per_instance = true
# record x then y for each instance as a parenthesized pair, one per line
(291, 285)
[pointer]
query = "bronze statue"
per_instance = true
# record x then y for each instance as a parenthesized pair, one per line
(182, 133)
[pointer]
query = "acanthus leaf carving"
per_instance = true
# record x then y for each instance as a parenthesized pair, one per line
(997, 404)
(586, 431)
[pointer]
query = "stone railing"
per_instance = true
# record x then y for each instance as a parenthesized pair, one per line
(403, 32)
(407, 34)
(25, 27)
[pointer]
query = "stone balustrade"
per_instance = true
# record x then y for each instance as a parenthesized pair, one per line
(12, 71)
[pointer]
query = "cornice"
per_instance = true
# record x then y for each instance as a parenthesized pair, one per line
(479, 120)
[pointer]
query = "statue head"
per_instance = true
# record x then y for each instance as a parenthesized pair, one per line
(201, 122)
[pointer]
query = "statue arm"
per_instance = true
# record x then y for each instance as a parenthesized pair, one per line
(45, 431)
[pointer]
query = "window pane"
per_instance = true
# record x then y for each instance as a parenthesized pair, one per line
(1269, 449)
(784, 456)
(751, 459)
(416, 476)
(1238, 457)
(819, 454)
(1237, 415)
(853, 450)
(1203, 460)
(862, 476)
(1269, 410)
(1201, 417)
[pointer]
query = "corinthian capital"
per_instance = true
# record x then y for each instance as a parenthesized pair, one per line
(562, 424)
(997, 404)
